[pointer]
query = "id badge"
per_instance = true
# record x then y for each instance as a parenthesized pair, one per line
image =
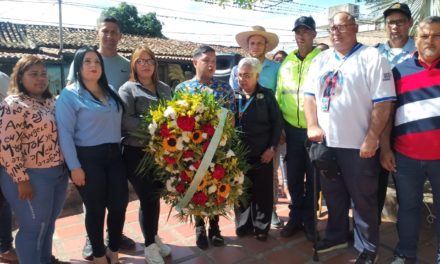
(325, 104)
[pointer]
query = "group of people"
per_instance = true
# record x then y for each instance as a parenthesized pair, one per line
(370, 106)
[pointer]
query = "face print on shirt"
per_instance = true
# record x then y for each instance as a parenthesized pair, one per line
(331, 84)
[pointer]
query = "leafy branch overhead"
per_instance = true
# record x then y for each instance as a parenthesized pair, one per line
(131, 23)
(246, 4)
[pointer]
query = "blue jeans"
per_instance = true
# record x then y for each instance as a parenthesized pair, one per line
(5, 227)
(410, 178)
(36, 217)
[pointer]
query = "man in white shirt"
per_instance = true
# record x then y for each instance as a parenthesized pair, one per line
(348, 95)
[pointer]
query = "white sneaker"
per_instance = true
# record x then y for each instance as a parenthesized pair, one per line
(164, 249)
(152, 255)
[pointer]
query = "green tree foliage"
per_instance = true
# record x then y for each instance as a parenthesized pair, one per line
(131, 23)
(419, 8)
(246, 4)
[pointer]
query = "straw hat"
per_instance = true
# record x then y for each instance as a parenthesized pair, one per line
(272, 38)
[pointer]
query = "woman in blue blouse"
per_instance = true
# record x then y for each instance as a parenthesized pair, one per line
(88, 113)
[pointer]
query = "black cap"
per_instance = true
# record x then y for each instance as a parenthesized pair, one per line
(305, 21)
(403, 8)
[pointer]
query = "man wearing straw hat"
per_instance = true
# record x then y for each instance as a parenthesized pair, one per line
(257, 42)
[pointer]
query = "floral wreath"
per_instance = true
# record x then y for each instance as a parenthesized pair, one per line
(194, 150)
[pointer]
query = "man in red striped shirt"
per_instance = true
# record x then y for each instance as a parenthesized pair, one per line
(416, 135)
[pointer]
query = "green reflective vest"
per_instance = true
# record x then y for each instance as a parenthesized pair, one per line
(289, 92)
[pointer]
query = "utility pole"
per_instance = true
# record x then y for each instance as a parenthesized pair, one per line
(60, 52)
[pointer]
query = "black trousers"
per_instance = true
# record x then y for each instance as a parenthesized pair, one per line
(258, 212)
(382, 191)
(356, 187)
(106, 188)
(147, 190)
(299, 167)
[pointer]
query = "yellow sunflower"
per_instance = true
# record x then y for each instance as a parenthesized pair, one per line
(224, 190)
(197, 137)
(170, 143)
(203, 184)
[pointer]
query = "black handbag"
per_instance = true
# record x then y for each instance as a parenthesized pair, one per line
(323, 159)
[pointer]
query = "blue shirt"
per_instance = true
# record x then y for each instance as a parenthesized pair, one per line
(267, 79)
(221, 90)
(84, 121)
(392, 56)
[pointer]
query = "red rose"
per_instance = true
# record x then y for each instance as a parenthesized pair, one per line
(180, 188)
(169, 160)
(186, 123)
(219, 200)
(196, 164)
(164, 131)
(208, 129)
(188, 154)
(205, 146)
(219, 172)
(200, 198)
(184, 177)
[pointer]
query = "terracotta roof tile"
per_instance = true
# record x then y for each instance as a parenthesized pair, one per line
(42, 38)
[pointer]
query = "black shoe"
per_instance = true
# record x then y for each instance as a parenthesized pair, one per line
(327, 245)
(201, 238)
(87, 251)
(366, 258)
(276, 222)
(242, 231)
(127, 243)
(309, 233)
(215, 237)
(261, 237)
(290, 229)
(54, 260)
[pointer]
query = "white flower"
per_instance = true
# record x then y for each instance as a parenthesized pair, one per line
(152, 128)
(179, 144)
(204, 135)
(240, 178)
(186, 136)
(169, 185)
(197, 118)
(169, 112)
(182, 103)
(230, 153)
(223, 141)
(200, 108)
(212, 188)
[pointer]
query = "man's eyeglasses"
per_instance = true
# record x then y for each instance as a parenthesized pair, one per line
(339, 28)
(435, 36)
(146, 62)
(397, 23)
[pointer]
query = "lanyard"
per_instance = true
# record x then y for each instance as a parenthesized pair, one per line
(241, 108)
(332, 79)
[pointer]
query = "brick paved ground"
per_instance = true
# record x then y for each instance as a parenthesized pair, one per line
(69, 239)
